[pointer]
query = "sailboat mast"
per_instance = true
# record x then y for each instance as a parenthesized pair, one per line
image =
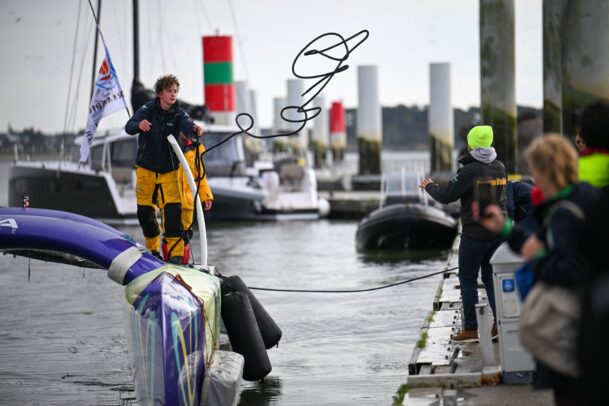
(136, 42)
(97, 17)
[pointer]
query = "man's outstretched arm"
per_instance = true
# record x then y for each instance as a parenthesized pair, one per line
(450, 192)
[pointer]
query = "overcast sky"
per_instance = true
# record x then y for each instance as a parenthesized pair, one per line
(38, 37)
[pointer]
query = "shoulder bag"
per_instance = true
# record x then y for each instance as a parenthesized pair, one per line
(550, 316)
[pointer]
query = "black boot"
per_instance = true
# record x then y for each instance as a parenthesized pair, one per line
(175, 260)
(156, 254)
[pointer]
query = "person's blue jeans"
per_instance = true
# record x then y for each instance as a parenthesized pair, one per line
(475, 255)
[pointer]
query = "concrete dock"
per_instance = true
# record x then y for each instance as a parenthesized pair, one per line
(351, 204)
(443, 372)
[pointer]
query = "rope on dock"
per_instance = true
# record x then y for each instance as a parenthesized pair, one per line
(355, 290)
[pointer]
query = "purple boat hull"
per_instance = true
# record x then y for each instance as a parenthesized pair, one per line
(60, 233)
(168, 343)
(172, 332)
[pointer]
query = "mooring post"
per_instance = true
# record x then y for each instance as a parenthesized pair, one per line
(484, 333)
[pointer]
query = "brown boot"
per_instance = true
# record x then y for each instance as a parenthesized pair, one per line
(465, 336)
(494, 332)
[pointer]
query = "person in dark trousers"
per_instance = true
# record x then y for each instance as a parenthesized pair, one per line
(553, 249)
(156, 166)
(477, 244)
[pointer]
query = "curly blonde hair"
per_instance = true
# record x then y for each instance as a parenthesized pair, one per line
(165, 82)
(556, 156)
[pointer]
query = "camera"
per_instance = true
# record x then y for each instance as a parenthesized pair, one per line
(485, 193)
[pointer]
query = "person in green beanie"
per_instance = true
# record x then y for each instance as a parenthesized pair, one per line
(477, 243)
(593, 159)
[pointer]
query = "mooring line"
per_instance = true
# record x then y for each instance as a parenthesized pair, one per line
(355, 290)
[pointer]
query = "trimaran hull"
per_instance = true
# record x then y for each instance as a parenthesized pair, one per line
(174, 311)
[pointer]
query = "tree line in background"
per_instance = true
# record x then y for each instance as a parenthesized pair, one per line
(404, 127)
(31, 141)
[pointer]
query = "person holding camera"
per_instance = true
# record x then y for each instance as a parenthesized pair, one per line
(477, 243)
(156, 167)
(557, 259)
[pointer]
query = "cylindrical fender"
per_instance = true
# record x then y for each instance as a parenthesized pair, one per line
(244, 335)
(270, 331)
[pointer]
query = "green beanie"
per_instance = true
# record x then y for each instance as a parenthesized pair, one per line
(480, 136)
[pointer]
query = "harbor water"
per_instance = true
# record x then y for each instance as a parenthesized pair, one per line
(62, 328)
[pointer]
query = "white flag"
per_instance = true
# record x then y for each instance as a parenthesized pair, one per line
(107, 98)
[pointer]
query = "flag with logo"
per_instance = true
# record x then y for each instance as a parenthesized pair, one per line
(108, 98)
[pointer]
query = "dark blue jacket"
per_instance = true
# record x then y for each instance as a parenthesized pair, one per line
(154, 152)
(519, 204)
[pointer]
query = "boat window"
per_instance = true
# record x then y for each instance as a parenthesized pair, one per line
(402, 182)
(225, 160)
(124, 152)
(227, 152)
(96, 157)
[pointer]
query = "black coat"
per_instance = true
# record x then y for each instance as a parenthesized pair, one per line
(462, 187)
(154, 152)
(594, 327)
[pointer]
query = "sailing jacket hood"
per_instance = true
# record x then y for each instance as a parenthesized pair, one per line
(154, 152)
(462, 187)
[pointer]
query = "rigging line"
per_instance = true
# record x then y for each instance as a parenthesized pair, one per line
(96, 16)
(152, 52)
(239, 42)
(197, 19)
(98, 34)
(356, 290)
(205, 15)
(160, 38)
(172, 58)
(65, 116)
(74, 110)
(118, 29)
(243, 100)
(77, 95)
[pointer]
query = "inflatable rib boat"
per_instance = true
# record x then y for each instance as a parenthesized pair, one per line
(406, 218)
(174, 311)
